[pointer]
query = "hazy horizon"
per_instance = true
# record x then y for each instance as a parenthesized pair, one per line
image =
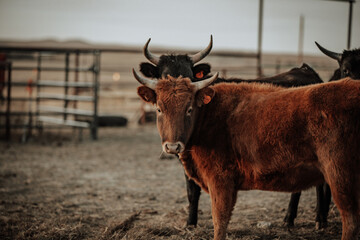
(183, 25)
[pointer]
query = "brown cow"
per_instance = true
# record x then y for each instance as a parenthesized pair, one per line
(245, 136)
(177, 65)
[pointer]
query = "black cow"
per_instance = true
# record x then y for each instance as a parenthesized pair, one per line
(176, 65)
(295, 77)
(349, 63)
(184, 65)
(349, 66)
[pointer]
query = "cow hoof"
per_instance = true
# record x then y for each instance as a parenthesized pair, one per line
(288, 222)
(320, 225)
(190, 226)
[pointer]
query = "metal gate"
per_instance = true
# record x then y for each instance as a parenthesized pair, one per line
(40, 109)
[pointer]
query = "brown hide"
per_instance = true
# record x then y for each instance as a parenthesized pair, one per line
(253, 136)
(273, 133)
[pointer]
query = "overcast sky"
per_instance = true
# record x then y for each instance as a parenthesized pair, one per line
(183, 24)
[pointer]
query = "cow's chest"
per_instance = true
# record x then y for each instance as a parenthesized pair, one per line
(292, 179)
(207, 168)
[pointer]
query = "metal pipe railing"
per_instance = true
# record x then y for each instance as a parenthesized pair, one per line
(42, 96)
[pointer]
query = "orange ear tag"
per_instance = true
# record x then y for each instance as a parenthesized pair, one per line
(199, 74)
(207, 99)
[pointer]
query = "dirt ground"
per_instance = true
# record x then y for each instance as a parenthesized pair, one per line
(57, 187)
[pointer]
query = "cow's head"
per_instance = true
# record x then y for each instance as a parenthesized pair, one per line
(305, 73)
(177, 101)
(349, 61)
(176, 65)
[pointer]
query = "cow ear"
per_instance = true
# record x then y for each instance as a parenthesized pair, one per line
(149, 70)
(204, 96)
(147, 94)
(201, 71)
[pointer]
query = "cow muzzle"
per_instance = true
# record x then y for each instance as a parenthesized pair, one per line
(173, 148)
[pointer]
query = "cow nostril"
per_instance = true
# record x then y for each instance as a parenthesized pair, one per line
(172, 147)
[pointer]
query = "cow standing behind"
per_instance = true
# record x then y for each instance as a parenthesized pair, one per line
(244, 136)
(349, 66)
(177, 65)
(349, 63)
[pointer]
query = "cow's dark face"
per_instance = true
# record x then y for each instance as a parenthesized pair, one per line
(349, 61)
(350, 64)
(177, 101)
(176, 65)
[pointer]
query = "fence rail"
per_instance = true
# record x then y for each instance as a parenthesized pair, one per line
(45, 113)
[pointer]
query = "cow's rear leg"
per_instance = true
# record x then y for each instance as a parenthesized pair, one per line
(223, 199)
(292, 209)
(193, 192)
(323, 194)
(345, 192)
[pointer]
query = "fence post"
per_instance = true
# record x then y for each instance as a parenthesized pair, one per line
(38, 75)
(66, 81)
(8, 103)
(260, 29)
(96, 71)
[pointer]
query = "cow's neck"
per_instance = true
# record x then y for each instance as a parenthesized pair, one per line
(210, 136)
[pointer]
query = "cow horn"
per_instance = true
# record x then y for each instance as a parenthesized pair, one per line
(200, 55)
(334, 55)
(144, 81)
(204, 83)
(151, 57)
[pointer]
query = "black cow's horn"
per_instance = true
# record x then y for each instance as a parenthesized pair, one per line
(200, 55)
(334, 55)
(151, 57)
(204, 83)
(144, 81)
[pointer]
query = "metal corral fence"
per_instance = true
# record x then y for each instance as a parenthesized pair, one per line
(68, 87)
(51, 87)
(36, 102)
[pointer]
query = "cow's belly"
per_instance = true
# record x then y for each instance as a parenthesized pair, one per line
(289, 180)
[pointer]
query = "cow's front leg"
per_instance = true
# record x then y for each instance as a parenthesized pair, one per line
(223, 198)
(292, 209)
(193, 192)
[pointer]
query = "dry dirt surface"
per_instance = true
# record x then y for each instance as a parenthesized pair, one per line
(57, 187)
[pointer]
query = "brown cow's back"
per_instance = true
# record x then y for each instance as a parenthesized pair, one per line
(260, 122)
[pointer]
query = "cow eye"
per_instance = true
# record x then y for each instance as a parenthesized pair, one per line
(158, 110)
(189, 111)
